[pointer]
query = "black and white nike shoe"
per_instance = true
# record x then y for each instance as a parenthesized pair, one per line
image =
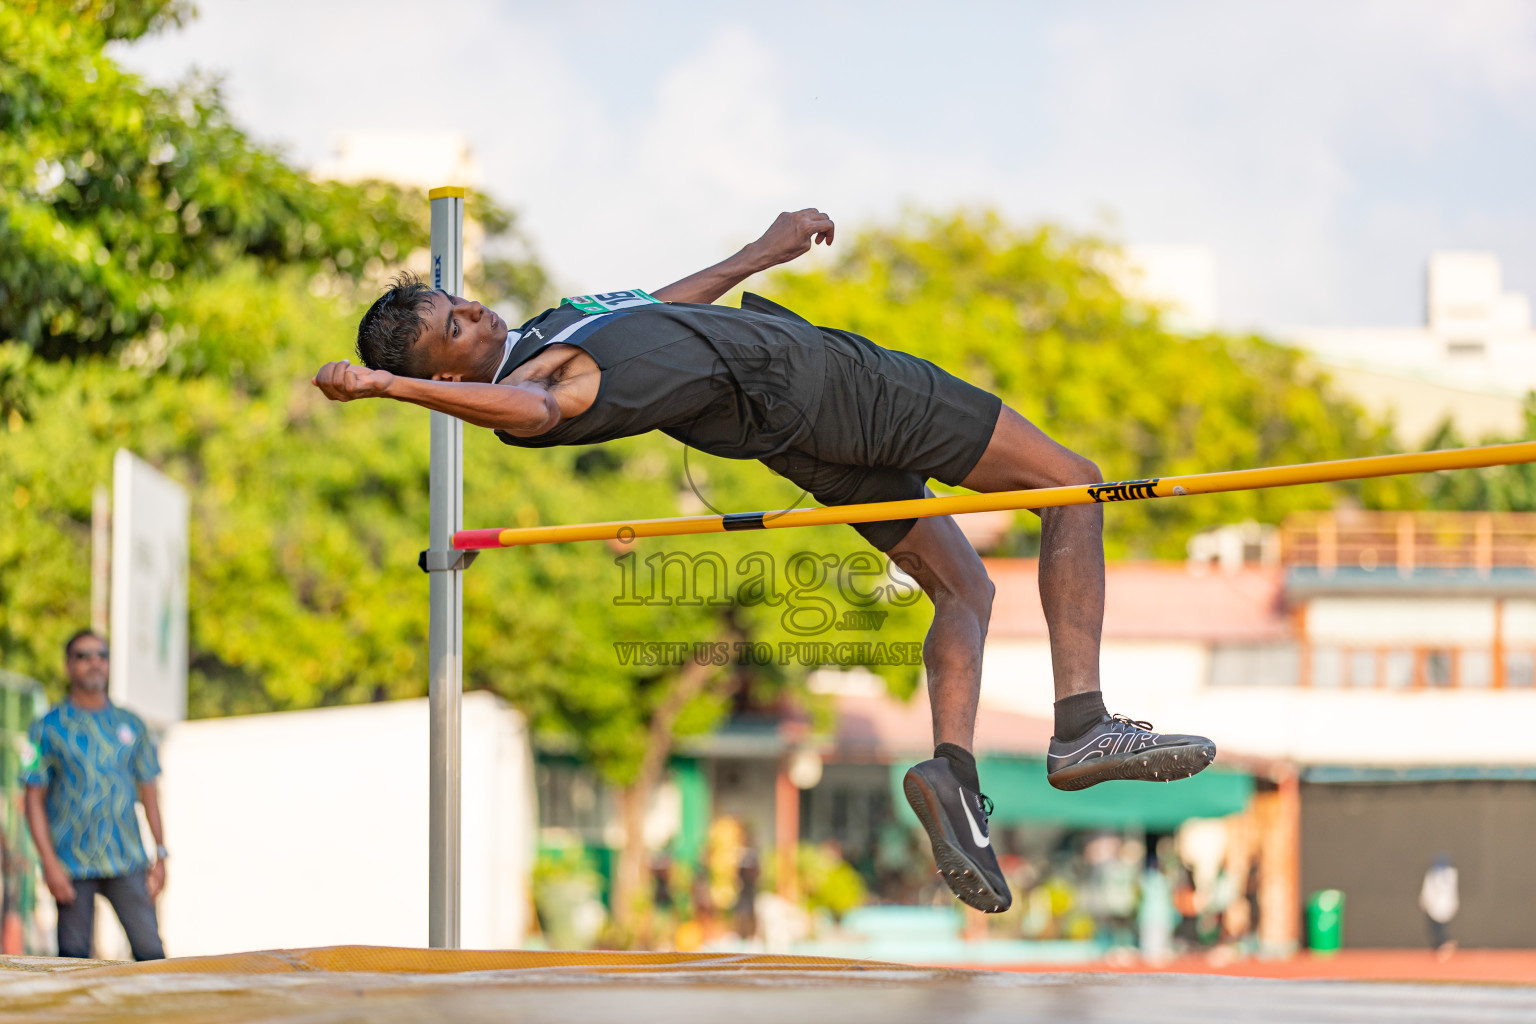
(955, 819)
(1118, 747)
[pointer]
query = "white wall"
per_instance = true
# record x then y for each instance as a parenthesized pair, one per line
(1420, 727)
(1016, 675)
(1519, 622)
(1410, 621)
(1418, 403)
(1166, 684)
(309, 828)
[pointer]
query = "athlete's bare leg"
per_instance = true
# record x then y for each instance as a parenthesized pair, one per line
(943, 562)
(937, 555)
(1071, 543)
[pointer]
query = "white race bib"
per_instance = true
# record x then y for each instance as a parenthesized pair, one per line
(607, 302)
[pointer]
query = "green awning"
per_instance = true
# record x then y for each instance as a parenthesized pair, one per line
(693, 830)
(1022, 796)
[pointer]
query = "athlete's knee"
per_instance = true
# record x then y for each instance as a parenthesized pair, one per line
(1078, 470)
(955, 582)
(1086, 470)
(984, 596)
(971, 588)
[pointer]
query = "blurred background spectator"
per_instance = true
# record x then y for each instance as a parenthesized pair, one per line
(93, 762)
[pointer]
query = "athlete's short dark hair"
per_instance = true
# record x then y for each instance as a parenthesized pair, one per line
(78, 635)
(387, 333)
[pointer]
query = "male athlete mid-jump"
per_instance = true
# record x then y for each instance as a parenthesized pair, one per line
(836, 414)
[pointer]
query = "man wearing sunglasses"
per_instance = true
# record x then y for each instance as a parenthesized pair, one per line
(93, 762)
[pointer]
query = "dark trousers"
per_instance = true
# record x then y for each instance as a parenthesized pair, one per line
(129, 897)
(1439, 932)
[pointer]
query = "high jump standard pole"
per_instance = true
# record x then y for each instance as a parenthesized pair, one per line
(445, 630)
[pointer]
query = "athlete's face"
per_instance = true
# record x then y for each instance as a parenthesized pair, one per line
(463, 339)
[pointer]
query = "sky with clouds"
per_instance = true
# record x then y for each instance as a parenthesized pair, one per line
(1321, 149)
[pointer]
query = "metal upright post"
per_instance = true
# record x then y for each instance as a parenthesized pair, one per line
(445, 629)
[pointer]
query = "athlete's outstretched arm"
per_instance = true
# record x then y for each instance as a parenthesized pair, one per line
(790, 236)
(523, 409)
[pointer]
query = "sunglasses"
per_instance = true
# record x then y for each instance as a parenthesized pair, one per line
(97, 655)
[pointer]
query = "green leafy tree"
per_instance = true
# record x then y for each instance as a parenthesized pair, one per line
(112, 192)
(194, 281)
(1496, 489)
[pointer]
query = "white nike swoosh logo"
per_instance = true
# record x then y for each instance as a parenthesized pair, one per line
(981, 840)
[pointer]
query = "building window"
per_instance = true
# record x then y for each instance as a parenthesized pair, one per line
(1362, 668)
(1327, 667)
(1476, 668)
(1520, 669)
(840, 813)
(1254, 665)
(1399, 669)
(1466, 347)
(1358, 668)
(1439, 668)
(573, 798)
(852, 807)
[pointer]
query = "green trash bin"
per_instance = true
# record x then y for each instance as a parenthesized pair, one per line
(1325, 921)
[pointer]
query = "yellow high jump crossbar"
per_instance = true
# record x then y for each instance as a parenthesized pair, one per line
(1045, 497)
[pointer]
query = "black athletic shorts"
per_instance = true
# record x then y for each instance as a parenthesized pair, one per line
(886, 424)
(836, 414)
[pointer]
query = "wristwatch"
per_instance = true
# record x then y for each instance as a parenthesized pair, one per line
(161, 853)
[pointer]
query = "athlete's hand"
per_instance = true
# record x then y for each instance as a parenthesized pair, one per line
(343, 382)
(791, 235)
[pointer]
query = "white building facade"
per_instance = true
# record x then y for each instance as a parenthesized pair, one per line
(1473, 360)
(1388, 659)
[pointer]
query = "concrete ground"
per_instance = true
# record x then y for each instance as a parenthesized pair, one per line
(388, 986)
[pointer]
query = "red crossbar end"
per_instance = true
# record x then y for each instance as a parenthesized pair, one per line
(477, 540)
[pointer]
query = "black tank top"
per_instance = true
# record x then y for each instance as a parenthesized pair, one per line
(739, 383)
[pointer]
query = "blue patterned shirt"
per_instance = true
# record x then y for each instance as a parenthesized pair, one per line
(91, 763)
